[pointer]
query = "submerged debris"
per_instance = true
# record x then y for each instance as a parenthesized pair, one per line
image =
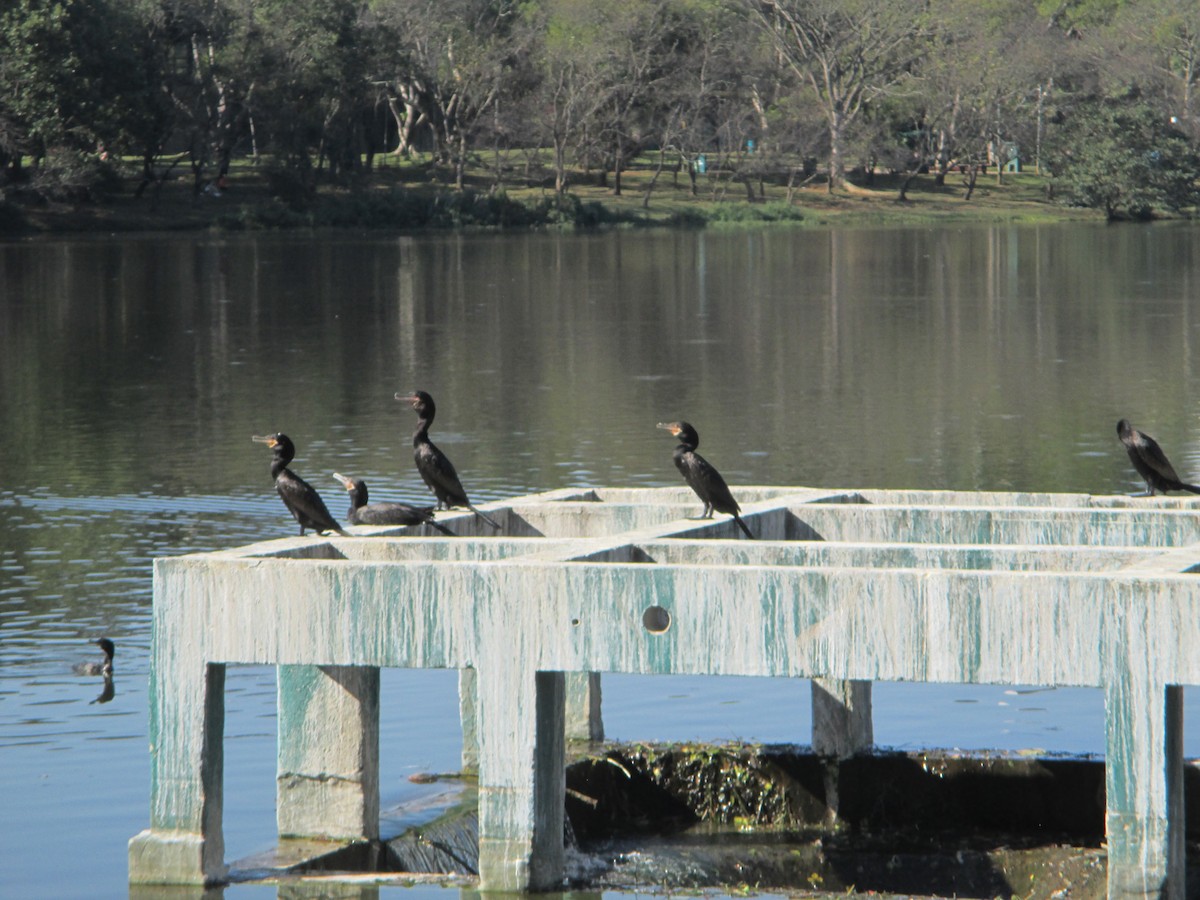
(737, 818)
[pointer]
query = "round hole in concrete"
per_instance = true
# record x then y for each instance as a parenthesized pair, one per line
(656, 620)
(575, 622)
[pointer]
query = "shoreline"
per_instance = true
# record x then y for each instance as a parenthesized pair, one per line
(394, 199)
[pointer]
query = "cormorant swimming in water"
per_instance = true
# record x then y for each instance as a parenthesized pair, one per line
(298, 495)
(362, 513)
(437, 471)
(99, 668)
(107, 692)
(1149, 460)
(700, 475)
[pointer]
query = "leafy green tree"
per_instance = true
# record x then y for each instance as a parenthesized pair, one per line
(1078, 17)
(1119, 154)
(311, 83)
(79, 81)
(211, 68)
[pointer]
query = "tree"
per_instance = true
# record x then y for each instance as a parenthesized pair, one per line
(987, 83)
(1160, 42)
(79, 84)
(310, 96)
(216, 60)
(1077, 17)
(719, 95)
(846, 52)
(1119, 154)
(570, 78)
(637, 57)
(459, 59)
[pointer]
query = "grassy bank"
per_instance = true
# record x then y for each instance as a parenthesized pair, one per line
(407, 196)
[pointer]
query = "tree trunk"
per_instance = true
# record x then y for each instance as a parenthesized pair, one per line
(560, 168)
(662, 157)
(460, 162)
(405, 121)
(970, 175)
(618, 164)
(837, 164)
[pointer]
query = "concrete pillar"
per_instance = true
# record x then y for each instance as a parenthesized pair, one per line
(584, 720)
(522, 784)
(184, 844)
(328, 760)
(467, 705)
(1144, 787)
(841, 717)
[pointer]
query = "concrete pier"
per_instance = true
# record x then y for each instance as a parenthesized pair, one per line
(845, 588)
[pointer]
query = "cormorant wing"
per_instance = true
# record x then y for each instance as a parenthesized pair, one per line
(304, 501)
(437, 470)
(715, 490)
(394, 514)
(1152, 455)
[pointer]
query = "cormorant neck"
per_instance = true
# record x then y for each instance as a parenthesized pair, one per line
(421, 435)
(278, 464)
(359, 497)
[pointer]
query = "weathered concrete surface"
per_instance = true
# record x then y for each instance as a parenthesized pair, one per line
(328, 763)
(922, 586)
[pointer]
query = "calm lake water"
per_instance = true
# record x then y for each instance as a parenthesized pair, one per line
(133, 372)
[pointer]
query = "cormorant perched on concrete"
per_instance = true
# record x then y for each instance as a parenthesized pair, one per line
(363, 513)
(700, 475)
(1149, 460)
(437, 471)
(99, 668)
(298, 495)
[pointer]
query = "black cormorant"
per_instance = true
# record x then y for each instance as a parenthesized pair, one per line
(1149, 460)
(107, 692)
(437, 471)
(700, 475)
(99, 668)
(363, 513)
(298, 495)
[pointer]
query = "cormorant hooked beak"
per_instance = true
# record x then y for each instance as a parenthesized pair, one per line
(672, 427)
(269, 440)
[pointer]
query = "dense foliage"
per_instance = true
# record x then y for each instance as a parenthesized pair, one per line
(315, 90)
(1118, 154)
